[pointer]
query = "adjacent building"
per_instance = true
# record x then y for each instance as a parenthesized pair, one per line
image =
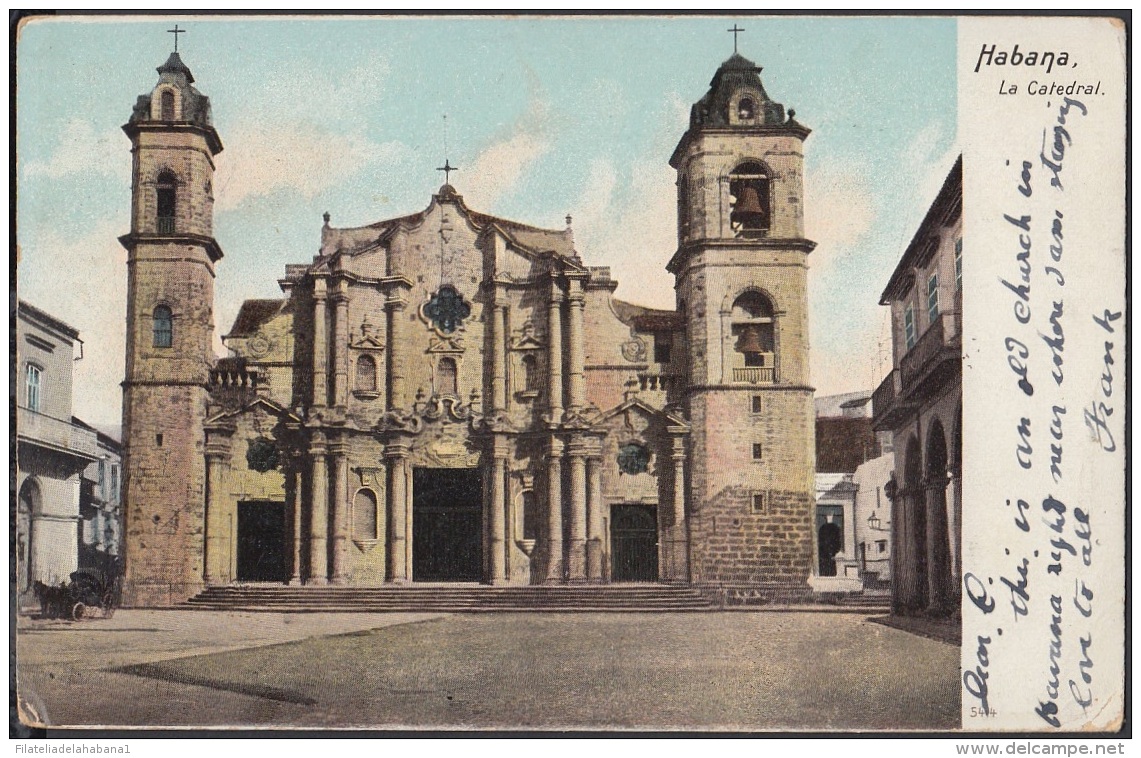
(100, 530)
(920, 403)
(853, 464)
(453, 396)
(873, 520)
(53, 449)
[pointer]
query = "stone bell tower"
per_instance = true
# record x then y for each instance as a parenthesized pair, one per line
(740, 271)
(171, 254)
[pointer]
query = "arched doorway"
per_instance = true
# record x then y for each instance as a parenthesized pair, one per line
(28, 506)
(829, 541)
(937, 532)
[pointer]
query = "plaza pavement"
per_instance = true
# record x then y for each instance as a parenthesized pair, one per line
(750, 671)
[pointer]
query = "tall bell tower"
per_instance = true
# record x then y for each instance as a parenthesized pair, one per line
(171, 254)
(740, 277)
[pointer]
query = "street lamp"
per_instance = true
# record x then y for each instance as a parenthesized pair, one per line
(874, 522)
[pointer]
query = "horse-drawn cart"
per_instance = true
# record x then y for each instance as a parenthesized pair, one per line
(89, 594)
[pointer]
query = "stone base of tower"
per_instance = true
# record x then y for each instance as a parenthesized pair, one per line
(735, 542)
(164, 486)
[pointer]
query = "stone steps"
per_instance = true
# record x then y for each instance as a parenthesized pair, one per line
(467, 598)
(866, 600)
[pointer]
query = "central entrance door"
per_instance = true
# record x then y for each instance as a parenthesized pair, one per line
(447, 525)
(261, 541)
(634, 543)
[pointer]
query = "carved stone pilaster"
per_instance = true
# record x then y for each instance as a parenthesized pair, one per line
(398, 570)
(218, 544)
(320, 345)
(554, 542)
(319, 516)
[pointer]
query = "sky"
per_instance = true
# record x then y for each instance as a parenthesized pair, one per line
(545, 117)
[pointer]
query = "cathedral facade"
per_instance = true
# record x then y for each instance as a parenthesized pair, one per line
(453, 396)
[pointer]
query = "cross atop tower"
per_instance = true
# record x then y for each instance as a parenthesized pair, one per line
(447, 168)
(735, 30)
(176, 31)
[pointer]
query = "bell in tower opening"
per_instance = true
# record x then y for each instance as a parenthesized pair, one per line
(749, 200)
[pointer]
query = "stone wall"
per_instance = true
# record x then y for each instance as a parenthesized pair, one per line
(164, 487)
(711, 158)
(185, 154)
(734, 536)
(710, 283)
(55, 363)
(180, 277)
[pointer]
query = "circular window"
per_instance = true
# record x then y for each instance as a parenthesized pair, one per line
(633, 459)
(261, 455)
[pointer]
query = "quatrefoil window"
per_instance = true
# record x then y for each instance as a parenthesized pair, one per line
(447, 309)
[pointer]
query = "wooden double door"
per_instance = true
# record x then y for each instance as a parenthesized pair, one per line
(447, 525)
(633, 543)
(261, 545)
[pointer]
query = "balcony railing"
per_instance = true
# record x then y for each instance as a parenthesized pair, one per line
(920, 372)
(38, 429)
(942, 340)
(885, 394)
(656, 382)
(235, 377)
(164, 225)
(888, 407)
(755, 375)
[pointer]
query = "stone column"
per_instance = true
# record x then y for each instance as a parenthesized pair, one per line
(319, 519)
(850, 548)
(678, 534)
(320, 345)
(938, 544)
(898, 537)
(497, 565)
(555, 338)
(340, 508)
(594, 521)
(341, 344)
(295, 508)
(576, 354)
(956, 536)
(555, 512)
(498, 353)
(396, 348)
(218, 547)
(576, 555)
(906, 585)
(397, 557)
(409, 573)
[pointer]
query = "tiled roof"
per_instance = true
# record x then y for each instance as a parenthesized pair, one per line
(252, 315)
(646, 319)
(174, 65)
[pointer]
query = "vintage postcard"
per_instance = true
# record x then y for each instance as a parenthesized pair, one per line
(593, 373)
